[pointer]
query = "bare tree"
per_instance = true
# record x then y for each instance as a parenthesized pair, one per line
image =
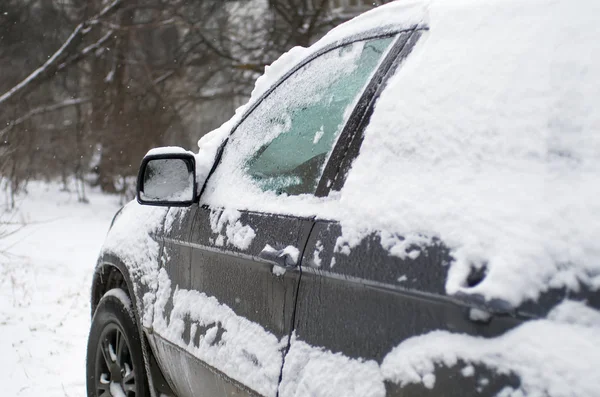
(92, 85)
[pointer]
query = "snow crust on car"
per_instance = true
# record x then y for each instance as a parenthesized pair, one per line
(531, 351)
(130, 237)
(168, 150)
(487, 138)
(230, 343)
(131, 240)
(557, 356)
(236, 233)
(317, 372)
(124, 298)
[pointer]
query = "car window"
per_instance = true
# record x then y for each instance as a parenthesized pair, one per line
(283, 144)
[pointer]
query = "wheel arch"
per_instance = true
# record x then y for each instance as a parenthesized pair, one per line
(112, 273)
(109, 275)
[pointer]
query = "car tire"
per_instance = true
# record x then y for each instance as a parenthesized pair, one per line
(115, 363)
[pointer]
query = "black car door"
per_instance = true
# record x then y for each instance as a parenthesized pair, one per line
(227, 291)
(355, 305)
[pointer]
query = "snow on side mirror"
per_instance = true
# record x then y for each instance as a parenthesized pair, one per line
(167, 177)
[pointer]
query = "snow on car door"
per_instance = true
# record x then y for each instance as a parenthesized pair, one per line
(234, 314)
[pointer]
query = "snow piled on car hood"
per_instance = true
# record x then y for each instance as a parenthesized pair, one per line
(487, 137)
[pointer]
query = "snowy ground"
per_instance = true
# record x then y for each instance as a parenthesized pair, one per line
(44, 290)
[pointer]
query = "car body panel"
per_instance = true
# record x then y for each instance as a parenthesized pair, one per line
(201, 379)
(219, 291)
(394, 298)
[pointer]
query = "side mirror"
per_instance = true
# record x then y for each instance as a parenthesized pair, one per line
(167, 177)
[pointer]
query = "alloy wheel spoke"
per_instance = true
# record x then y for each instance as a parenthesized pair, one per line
(120, 343)
(102, 386)
(129, 376)
(105, 348)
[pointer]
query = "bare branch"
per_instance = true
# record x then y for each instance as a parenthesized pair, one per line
(51, 66)
(42, 110)
(87, 50)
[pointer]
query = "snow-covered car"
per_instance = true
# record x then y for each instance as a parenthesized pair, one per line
(409, 207)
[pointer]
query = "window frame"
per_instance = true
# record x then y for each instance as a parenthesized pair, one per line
(346, 151)
(330, 171)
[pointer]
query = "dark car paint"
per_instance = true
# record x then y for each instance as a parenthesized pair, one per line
(238, 278)
(204, 379)
(394, 298)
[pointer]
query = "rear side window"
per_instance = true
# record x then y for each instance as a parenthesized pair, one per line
(282, 146)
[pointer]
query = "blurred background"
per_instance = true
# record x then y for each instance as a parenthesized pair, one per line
(87, 87)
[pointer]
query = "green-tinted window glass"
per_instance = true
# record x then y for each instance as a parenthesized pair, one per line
(293, 130)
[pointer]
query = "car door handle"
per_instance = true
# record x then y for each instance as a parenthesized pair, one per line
(481, 305)
(286, 257)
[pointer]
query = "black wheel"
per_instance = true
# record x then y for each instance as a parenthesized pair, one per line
(115, 364)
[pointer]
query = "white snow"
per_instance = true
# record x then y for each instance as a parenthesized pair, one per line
(551, 358)
(292, 252)
(116, 390)
(237, 234)
(554, 357)
(479, 315)
(130, 237)
(168, 150)
(316, 258)
(487, 138)
(278, 270)
(245, 351)
(313, 371)
(468, 371)
(318, 135)
(570, 312)
(45, 286)
(168, 180)
(122, 296)
(230, 186)
(403, 15)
